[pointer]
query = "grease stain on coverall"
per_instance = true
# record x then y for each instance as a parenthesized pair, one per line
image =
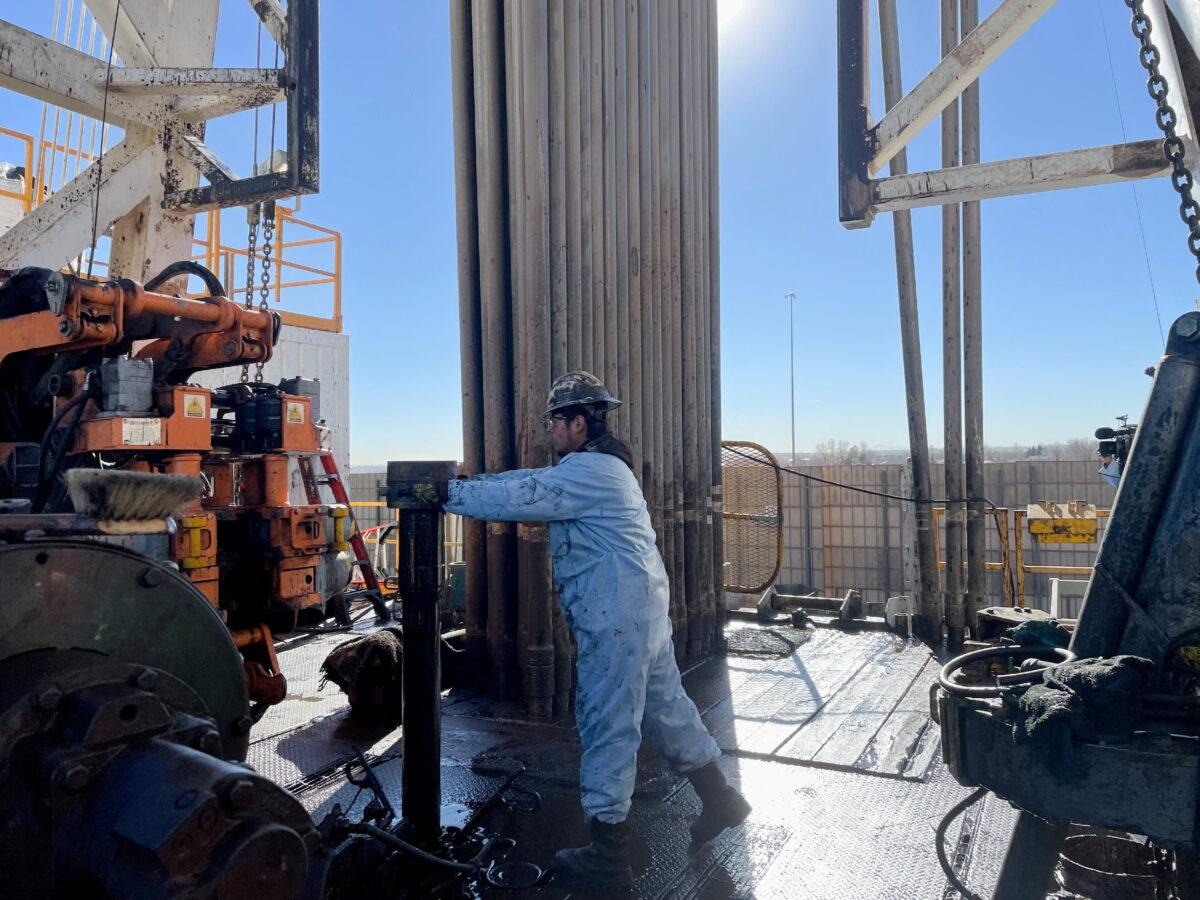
(614, 594)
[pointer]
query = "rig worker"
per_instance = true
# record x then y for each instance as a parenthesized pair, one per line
(614, 593)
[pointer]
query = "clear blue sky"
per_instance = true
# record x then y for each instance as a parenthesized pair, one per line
(1069, 321)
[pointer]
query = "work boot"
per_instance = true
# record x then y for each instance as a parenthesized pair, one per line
(723, 808)
(602, 868)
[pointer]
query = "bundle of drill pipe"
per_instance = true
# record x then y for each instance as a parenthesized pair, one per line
(586, 172)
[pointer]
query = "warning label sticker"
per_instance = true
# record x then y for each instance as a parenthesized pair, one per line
(193, 407)
(295, 413)
(141, 432)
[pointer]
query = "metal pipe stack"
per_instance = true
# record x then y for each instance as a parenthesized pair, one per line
(952, 359)
(586, 169)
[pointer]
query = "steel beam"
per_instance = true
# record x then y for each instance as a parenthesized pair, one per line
(854, 97)
(55, 73)
(60, 227)
(1026, 175)
(153, 32)
(200, 155)
(195, 110)
(950, 77)
(184, 81)
(274, 19)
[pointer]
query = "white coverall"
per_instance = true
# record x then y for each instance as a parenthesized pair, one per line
(614, 593)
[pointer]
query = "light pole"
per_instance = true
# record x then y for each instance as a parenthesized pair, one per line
(790, 297)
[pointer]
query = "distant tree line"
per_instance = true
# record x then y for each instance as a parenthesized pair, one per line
(846, 453)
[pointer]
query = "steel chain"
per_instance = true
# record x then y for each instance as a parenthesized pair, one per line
(252, 216)
(1166, 119)
(268, 238)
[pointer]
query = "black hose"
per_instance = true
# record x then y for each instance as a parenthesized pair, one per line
(211, 281)
(45, 479)
(940, 842)
(950, 686)
(391, 840)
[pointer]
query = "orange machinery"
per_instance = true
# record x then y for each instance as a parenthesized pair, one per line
(98, 374)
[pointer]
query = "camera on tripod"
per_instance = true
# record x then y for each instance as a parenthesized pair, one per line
(1113, 449)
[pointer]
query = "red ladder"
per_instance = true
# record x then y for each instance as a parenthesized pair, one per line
(334, 479)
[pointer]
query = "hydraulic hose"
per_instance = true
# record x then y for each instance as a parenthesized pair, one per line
(940, 841)
(391, 840)
(187, 266)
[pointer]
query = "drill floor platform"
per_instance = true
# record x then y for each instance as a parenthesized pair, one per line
(829, 739)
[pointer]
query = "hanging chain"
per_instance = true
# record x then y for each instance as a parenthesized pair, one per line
(268, 238)
(252, 216)
(1166, 119)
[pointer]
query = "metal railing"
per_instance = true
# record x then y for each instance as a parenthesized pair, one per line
(1012, 552)
(230, 262)
(227, 260)
(1021, 569)
(1000, 516)
(453, 542)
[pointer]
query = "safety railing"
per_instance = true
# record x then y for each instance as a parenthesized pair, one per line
(50, 165)
(230, 263)
(453, 542)
(26, 197)
(1000, 517)
(1021, 569)
(1011, 539)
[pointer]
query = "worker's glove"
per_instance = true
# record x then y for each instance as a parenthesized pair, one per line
(431, 493)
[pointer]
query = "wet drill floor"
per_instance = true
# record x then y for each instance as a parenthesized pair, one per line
(826, 732)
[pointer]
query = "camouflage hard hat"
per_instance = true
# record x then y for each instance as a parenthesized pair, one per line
(580, 389)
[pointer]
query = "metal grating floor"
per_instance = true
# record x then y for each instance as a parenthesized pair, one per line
(820, 828)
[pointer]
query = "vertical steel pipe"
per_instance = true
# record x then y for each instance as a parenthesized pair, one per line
(531, 132)
(678, 419)
(574, 236)
(609, 80)
(599, 196)
(689, 410)
(563, 645)
(928, 601)
(496, 321)
(651, 369)
(972, 304)
(714, 305)
(670, 408)
(420, 540)
(470, 335)
(620, 315)
(556, 123)
(587, 253)
(952, 355)
(701, 361)
(635, 420)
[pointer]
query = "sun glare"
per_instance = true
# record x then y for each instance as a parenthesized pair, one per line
(727, 12)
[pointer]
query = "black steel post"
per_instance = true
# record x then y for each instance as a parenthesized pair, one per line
(1031, 858)
(854, 85)
(413, 489)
